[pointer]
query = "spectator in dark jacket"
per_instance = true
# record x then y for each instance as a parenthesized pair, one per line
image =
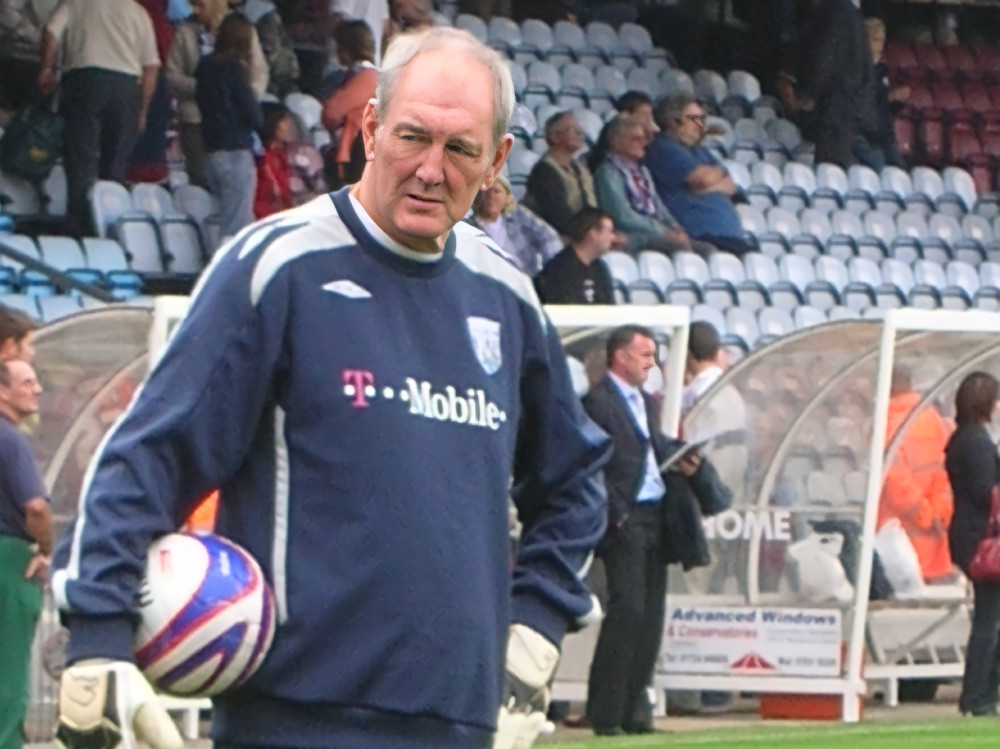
(230, 116)
(876, 146)
(578, 275)
(973, 471)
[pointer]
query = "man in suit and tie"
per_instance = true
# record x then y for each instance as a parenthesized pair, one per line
(654, 519)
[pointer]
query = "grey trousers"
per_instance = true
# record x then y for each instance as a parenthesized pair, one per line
(232, 178)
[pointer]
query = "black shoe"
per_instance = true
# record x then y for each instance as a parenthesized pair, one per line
(981, 712)
(615, 731)
(639, 729)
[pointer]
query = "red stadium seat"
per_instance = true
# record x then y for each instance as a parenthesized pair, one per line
(960, 58)
(988, 59)
(921, 98)
(977, 97)
(931, 57)
(962, 143)
(900, 55)
(978, 166)
(903, 127)
(930, 133)
(947, 96)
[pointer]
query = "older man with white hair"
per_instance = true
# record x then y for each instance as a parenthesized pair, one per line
(368, 381)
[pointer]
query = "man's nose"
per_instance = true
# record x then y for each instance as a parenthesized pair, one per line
(431, 170)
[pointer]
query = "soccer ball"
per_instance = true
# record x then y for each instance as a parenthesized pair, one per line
(207, 615)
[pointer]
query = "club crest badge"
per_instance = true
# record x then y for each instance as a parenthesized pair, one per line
(485, 335)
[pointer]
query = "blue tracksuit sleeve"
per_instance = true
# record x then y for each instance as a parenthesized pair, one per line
(559, 496)
(186, 431)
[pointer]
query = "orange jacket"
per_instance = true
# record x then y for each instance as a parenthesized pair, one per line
(916, 488)
(345, 107)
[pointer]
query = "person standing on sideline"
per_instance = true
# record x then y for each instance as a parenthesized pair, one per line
(230, 116)
(654, 519)
(973, 472)
(370, 480)
(578, 275)
(109, 68)
(25, 546)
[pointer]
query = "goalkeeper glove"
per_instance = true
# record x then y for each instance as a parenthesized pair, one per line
(531, 662)
(107, 704)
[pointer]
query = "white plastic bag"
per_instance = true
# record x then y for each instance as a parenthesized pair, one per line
(899, 560)
(821, 575)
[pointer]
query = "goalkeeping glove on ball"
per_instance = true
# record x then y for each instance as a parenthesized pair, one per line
(531, 661)
(106, 704)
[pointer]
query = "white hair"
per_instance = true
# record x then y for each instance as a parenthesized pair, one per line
(405, 47)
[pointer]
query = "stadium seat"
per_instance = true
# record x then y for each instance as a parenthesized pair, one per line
(774, 323)
(20, 243)
(837, 314)
(18, 197)
(23, 302)
(742, 323)
(674, 82)
(610, 82)
(307, 110)
(640, 79)
(761, 275)
(782, 226)
(882, 228)
(805, 316)
(831, 187)
(109, 202)
(54, 188)
(105, 255)
(744, 85)
(864, 277)
(62, 253)
(796, 273)
(711, 315)
(504, 35)
(140, 237)
(182, 249)
(645, 292)
(152, 199)
(568, 42)
(54, 307)
(623, 267)
(959, 192)
(710, 86)
(725, 273)
(657, 267)
(846, 228)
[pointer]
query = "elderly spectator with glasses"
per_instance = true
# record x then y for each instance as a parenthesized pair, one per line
(689, 179)
(625, 189)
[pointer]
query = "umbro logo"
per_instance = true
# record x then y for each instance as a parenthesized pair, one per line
(347, 288)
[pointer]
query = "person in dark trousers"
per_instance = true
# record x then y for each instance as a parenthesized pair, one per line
(829, 78)
(230, 116)
(578, 275)
(25, 546)
(654, 519)
(371, 480)
(973, 471)
(110, 67)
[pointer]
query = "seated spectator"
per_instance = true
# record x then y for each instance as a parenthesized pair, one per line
(578, 275)
(195, 39)
(689, 180)
(639, 105)
(230, 115)
(876, 146)
(275, 43)
(626, 190)
(560, 185)
(274, 177)
(916, 488)
(342, 110)
(515, 229)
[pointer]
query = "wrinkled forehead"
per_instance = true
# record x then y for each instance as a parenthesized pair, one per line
(449, 83)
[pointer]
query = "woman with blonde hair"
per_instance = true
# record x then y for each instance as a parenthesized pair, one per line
(193, 40)
(515, 229)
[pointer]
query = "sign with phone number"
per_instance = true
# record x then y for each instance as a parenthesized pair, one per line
(757, 641)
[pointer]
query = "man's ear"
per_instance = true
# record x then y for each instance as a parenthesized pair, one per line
(503, 151)
(369, 124)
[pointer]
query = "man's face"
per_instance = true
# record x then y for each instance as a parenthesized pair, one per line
(635, 360)
(569, 135)
(492, 201)
(434, 151)
(877, 46)
(631, 144)
(22, 395)
(604, 235)
(691, 128)
(644, 113)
